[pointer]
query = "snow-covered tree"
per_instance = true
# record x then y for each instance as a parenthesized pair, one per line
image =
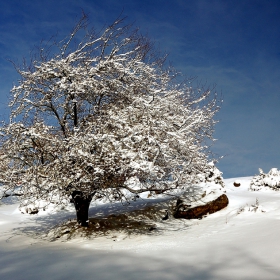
(103, 118)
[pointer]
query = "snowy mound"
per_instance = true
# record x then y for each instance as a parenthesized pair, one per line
(207, 187)
(271, 180)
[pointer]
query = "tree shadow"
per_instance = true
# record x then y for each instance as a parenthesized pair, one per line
(144, 216)
(140, 216)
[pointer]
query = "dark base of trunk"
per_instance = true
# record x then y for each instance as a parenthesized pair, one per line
(81, 203)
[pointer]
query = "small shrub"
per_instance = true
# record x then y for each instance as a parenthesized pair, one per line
(271, 180)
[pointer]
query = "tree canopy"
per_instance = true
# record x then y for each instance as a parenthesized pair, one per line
(103, 116)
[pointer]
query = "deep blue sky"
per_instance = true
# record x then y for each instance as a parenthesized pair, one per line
(233, 44)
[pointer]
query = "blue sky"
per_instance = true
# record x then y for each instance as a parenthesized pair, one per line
(234, 45)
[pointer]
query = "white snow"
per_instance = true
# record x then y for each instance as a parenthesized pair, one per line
(239, 242)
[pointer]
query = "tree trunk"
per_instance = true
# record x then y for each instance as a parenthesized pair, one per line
(81, 203)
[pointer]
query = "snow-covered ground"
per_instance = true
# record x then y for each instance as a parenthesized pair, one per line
(239, 242)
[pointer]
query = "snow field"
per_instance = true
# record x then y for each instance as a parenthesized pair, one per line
(239, 242)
